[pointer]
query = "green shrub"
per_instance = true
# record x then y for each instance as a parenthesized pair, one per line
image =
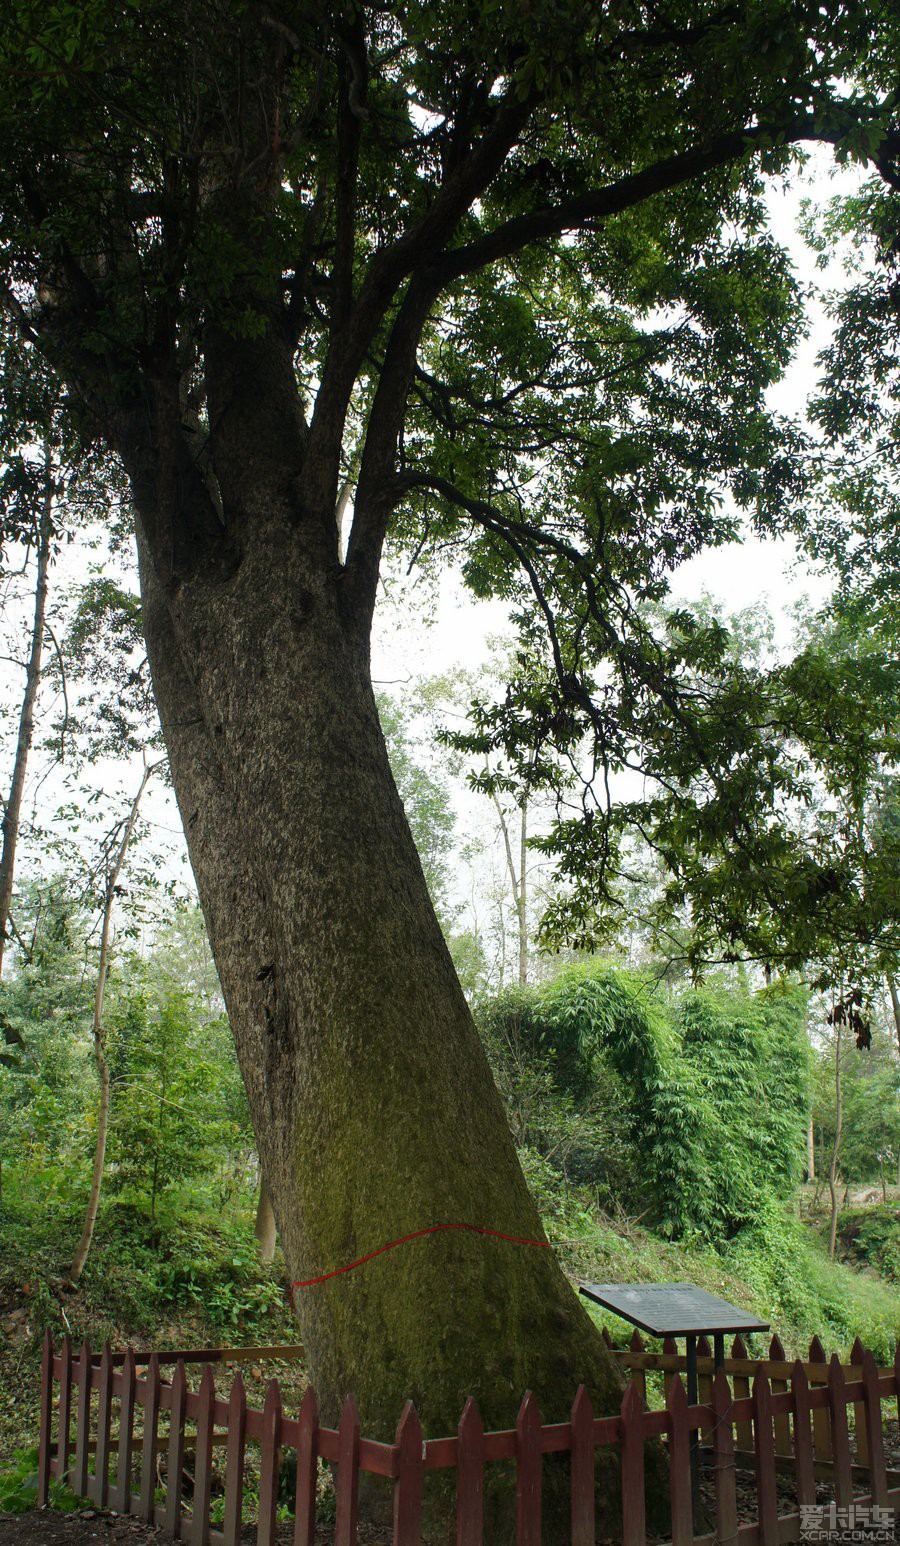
(870, 1237)
(692, 1112)
(19, 1484)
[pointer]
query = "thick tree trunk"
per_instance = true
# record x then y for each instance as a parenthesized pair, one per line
(374, 1109)
(13, 809)
(264, 1225)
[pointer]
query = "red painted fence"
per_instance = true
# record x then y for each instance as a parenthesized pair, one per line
(105, 1429)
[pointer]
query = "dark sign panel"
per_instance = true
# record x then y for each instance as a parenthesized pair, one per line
(672, 1309)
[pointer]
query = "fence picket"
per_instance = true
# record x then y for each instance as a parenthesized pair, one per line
(151, 1428)
(804, 1467)
(781, 1422)
(723, 1460)
(347, 1475)
(874, 1432)
(408, 1485)
(857, 1355)
(126, 1434)
(150, 1401)
(528, 1472)
(64, 1429)
(470, 1477)
(270, 1460)
(743, 1431)
(764, 1447)
(104, 1420)
(632, 1463)
(175, 1456)
(307, 1471)
(840, 1434)
(679, 1465)
(82, 1420)
(583, 1508)
(203, 1460)
(43, 1486)
(821, 1418)
(234, 1463)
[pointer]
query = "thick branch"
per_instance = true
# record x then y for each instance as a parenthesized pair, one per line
(625, 193)
(387, 272)
(374, 496)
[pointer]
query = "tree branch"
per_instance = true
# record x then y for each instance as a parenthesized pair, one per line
(387, 272)
(581, 213)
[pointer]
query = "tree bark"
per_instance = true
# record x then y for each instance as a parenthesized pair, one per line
(264, 1225)
(99, 1034)
(13, 809)
(373, 1105)
(811, 1150)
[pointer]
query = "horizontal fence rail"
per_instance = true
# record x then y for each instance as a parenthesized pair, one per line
(125, 1438)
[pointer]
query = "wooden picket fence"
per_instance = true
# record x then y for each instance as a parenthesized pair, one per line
(768, 1415)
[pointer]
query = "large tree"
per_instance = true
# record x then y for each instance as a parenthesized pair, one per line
(492, 278)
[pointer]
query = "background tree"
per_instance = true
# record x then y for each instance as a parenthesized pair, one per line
(115, 860)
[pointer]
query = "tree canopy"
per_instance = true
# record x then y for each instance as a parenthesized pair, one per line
(520, 262)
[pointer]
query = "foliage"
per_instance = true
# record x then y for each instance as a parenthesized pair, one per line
(179, 1108)
(18, 1486)
(45, 1011)
(870, 1237)
(694, 1110)
(870, 1080)
(750, 1056)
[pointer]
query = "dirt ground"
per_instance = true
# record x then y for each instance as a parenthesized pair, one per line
(47, 1528)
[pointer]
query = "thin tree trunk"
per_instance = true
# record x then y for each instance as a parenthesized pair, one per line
(517, 882)
(264, 1226)
(836, 1146)
(810, 1150)
(522, 907)
(895, 1005)
(99, 1034)
(13, 810)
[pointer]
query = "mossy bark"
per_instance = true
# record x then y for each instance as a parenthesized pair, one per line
(373, 1105)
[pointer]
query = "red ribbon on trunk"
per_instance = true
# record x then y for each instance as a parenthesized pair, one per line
(433, 1229)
